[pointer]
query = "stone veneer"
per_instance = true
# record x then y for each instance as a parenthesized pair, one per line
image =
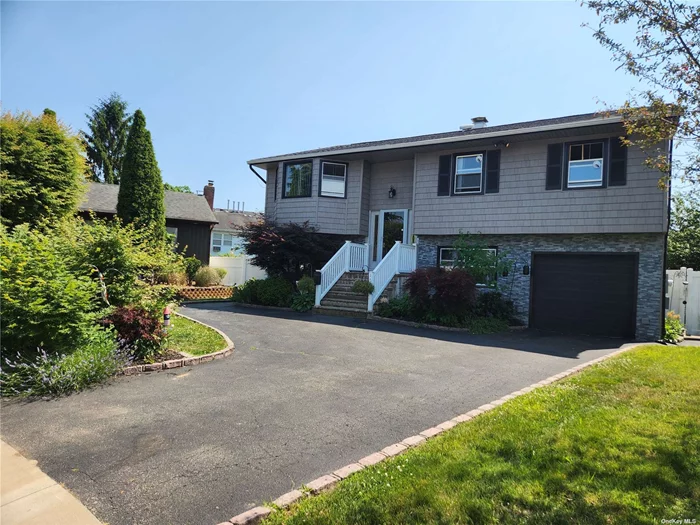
(650, 247)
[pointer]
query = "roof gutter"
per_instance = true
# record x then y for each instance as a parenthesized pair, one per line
(256, 173)
(444, 140)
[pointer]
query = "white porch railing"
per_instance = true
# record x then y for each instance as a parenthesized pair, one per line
(400, 259)
(351, 257)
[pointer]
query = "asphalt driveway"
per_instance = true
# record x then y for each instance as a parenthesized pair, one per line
(301, 396)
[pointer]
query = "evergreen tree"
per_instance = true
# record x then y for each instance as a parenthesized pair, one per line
(42, 170)
(141, 189)
(105, 142)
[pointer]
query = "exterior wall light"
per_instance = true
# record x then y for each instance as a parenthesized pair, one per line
(526, 270)
(392, 192)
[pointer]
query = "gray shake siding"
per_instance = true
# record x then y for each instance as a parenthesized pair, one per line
(650, 247)
(331, 215)
(522, 204)
(385, 175)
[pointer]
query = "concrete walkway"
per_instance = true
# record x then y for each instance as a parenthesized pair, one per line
(28, 496)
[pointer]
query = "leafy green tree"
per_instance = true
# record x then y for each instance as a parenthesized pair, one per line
(105, 141)
(141, 191)
(684, 233)
(665, 55)
(474, 255)
(181, 189)
(42, 170)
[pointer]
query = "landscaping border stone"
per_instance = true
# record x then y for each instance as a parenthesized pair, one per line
(263, 307)
(414, 324)
(329, 481)
(184, 361)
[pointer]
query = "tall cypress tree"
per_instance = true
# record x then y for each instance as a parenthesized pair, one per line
(141, 188)
(105, 140)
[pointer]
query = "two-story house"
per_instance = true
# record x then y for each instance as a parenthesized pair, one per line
(579, 214)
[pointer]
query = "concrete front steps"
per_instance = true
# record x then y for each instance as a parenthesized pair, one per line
(342, 301)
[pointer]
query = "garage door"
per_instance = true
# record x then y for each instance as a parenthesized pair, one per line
(584, 293)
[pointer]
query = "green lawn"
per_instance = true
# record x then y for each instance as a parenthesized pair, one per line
(617, 443)
(193, 338)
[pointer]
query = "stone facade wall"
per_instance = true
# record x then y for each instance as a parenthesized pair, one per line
(650, 247)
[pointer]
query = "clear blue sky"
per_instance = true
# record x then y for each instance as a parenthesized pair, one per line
(221, 83)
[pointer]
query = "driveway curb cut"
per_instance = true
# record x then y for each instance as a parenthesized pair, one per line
(185, 361)
(329, 481)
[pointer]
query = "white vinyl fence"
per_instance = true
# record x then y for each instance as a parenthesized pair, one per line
(683, 297)
(238, 269)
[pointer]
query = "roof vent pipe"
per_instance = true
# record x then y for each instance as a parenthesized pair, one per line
(480, 122)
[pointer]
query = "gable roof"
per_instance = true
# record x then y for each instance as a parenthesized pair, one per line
(532, 126)
(102, 198)
(230, 221)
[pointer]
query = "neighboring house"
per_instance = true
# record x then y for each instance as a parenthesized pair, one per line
(580, 215)
(225, 238)
(188, 217)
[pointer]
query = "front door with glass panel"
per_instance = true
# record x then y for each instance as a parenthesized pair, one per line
(386, 227)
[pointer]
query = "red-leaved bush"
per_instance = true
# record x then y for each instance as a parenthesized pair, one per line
(442, 291)
(138, 331)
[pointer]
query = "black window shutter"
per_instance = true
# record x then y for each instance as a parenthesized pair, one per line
(618, 163)
(493, 170)
(277, 176)
(554, 166)
(444, 174)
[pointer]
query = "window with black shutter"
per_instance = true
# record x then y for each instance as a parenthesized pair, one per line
(618, 163)
(493, 169)
(444, 174)
(554, 166)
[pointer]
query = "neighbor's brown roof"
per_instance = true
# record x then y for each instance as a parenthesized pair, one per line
(231, 221)
(102, 198)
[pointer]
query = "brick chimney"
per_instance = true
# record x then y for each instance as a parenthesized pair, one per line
(209, 194)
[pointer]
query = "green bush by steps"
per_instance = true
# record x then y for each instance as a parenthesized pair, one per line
(273, 291)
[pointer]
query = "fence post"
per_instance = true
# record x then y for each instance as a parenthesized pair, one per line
(347, 255)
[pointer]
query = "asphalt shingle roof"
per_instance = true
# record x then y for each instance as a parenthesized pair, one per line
(102, 198)
(230, 221)
(467, 134)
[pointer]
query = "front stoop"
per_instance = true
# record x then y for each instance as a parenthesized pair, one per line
(342, 301)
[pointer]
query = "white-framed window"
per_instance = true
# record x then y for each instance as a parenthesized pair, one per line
(171, 230)
(447, 257)
(586, 165)
(216, 242)
(333, 175)
(468, 173)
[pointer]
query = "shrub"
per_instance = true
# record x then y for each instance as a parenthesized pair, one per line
(473, 254)
(442, 291)
(363, 287)
(127, 258)
(274, 291)
(139, 331)
(44, 304)
(176, 278)
(54, 374)
(306, 285)
(247, 293)
(303, 302)
(402, 307)
(192, 264)
(288, 250)
(493, 304)
(207, 276)
(673, 328)
(486, 325)
(42, 169)
(222, 273)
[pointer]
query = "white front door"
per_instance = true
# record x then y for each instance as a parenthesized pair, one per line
(385, 228)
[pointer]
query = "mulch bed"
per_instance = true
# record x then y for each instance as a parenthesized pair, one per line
(165, 356)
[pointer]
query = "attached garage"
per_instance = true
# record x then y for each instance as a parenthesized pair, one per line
(584, 293)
